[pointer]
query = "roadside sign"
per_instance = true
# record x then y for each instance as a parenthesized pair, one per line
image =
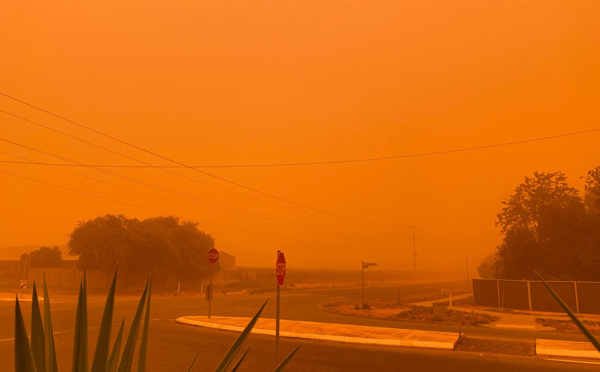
(280, 269)
(213, 256)
(23, 283)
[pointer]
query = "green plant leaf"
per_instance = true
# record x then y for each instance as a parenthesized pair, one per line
(238, 342)
(113, 362)
(239, 362)
(141, 367)
(193, 362)
(127, 358)
(281, 366)
(50, 349)
(38, 348)
(572, 315)
(100, 362)
(23, 357)
(80, 361)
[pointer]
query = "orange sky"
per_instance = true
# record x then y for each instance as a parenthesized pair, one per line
(241, 82)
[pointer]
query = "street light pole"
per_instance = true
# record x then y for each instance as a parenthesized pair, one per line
(363, 284)
(467, 266)
(365, 265)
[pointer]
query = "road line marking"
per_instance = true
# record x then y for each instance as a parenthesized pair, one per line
(573, 361)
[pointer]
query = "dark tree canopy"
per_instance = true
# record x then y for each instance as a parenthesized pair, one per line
(487, 266)
(161, 244)
(46, 257)
(591, 256)
(545, 227)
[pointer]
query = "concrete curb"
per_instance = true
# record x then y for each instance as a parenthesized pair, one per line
(445, 345)
(561, 348)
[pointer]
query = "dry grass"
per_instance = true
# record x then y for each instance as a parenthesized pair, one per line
(567, 326)
(389, 310)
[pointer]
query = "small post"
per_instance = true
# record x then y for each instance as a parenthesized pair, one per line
(576, 298)
(179, 287)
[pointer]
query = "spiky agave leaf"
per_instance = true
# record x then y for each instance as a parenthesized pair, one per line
(233, 350)
(38, 348)
(193, 362)
(50, 349)
(239, 362)
(281, 366)
(80, 361)
(113, 362)
(127, 358)
(141, 367)
(100, 362)
(572, 315)
(23, 357)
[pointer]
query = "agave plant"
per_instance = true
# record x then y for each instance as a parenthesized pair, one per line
(40, 355)
(571, 314)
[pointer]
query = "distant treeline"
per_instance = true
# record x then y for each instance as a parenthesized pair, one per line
(549, 226)
(170, 249)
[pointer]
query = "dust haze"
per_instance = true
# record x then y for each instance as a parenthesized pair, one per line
(445, 92)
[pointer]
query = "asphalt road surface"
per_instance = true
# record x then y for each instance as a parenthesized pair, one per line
(172, 346)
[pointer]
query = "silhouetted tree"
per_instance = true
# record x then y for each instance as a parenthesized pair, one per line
(46, 257)
(162, 245)
(487, 267)
(545, 228)
(590, 259)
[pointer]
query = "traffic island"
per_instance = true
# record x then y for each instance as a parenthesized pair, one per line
(571, 349)
(332, 332)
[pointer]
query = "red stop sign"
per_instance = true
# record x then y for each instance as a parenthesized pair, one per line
(280, 269)
(213, 256)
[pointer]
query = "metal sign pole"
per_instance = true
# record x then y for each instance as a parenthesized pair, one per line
(209, 292)
(362, 265)
(213, 258)
(277, 313)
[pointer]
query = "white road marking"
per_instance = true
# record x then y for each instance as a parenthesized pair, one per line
(574, 361)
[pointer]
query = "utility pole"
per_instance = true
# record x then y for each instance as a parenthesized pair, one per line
(467, 266)
(414, 251)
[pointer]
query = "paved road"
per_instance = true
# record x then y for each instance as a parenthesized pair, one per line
(172, 346)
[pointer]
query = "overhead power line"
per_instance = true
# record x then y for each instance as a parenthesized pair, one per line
(291, 224)
(144, 208)
(177, 162)
(152, 166)
(325, 162)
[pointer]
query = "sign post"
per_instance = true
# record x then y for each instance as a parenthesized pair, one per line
(280, 267)
(213, 257)
(365, 265)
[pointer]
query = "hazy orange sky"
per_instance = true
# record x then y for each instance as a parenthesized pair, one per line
(239, 82)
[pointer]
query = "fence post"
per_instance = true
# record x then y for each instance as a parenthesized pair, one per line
(576, 298)
(529, 293)
(498, 289)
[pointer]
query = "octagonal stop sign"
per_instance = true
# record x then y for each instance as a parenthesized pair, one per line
(213, 256)
(280, 269)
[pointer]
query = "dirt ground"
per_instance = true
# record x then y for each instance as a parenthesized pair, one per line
(390, 310)
(567, 326)
(495, 346)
